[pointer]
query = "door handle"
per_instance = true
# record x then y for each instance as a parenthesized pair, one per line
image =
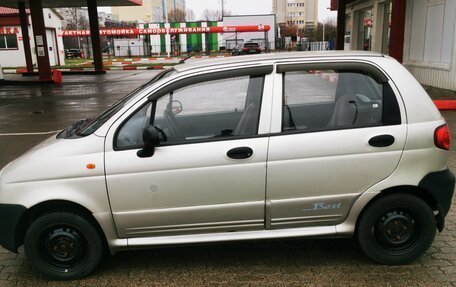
(381, 141)
(240, 152)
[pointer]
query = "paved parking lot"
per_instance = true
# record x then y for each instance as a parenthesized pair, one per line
(324, 262)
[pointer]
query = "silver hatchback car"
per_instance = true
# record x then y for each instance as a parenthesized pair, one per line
(259, 147)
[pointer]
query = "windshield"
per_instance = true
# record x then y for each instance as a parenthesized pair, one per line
(88, 126)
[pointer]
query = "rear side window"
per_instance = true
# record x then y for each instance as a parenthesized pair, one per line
(328, 99)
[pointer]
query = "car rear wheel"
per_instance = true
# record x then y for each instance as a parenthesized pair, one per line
(396, 229)
(63, 246)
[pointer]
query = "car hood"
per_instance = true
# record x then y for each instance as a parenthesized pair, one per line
(57, 159)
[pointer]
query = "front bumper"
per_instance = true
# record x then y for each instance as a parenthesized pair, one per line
(10, 216)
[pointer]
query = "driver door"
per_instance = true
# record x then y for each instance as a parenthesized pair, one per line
(192, 183)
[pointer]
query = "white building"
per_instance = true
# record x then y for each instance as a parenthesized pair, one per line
(11, 46)
(429, 42)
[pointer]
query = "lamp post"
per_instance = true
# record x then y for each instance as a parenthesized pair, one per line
(324, 36)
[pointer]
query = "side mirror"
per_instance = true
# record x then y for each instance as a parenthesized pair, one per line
(176, 107)
(151, 139)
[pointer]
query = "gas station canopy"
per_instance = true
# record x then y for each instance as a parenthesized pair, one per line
(71, 3)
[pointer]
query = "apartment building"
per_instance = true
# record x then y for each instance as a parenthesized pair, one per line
(303, 13)
(149, 11)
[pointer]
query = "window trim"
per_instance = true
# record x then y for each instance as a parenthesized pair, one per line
(379, 76)
(207, 77)
(260, 71)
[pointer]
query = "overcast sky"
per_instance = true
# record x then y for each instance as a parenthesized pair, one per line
(244, 7)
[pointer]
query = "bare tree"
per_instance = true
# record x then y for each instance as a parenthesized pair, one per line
(330, 30)
(290, 31)
(176, 16)
(190, 15)
(214, 15)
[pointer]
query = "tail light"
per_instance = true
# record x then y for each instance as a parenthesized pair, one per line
(245, 49)
(442, 137)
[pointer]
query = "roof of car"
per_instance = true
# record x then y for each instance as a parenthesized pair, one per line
(271, 56)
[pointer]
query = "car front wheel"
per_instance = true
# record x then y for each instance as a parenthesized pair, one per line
(396, 229)
(63, 246)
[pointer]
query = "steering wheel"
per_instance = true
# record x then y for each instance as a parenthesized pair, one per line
(175, 131)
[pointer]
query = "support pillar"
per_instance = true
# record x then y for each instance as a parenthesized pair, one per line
(341, 6)
(25, 36)
(41, 47)
(396, 49)
(95, 34)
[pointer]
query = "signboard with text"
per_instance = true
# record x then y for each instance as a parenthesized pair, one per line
(164, 31)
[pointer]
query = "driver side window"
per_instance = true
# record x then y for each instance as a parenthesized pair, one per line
(213, 109)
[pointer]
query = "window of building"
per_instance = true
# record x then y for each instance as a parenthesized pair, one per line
(432, 32)
(8, 41)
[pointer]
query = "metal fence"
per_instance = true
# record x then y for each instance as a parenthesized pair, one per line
(143, 49)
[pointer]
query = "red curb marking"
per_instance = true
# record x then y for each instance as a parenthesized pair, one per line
(445, 104)
(128, 68)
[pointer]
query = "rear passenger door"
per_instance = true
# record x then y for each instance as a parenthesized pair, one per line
(339, 130)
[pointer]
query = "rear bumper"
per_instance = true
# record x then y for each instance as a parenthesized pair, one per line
(10, 215)
(440, 185)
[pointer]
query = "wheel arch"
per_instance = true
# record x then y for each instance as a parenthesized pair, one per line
(412, 190)
(55, 206)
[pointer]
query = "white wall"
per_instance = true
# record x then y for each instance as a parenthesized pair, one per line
(16, 58)
(430, 49)
(51, 20)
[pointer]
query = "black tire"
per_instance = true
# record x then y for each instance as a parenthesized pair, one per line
(396, 229)
(63, 246)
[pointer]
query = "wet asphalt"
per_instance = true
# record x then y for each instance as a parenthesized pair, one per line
(28, 110)
(33, 111)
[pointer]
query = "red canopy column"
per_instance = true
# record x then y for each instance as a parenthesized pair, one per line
(341, 6)
(397, 30)
(25, 36)
(39, 32)
(95, 34)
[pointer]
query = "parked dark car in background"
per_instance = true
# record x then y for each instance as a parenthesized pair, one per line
(73, 53)
(246, 48)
